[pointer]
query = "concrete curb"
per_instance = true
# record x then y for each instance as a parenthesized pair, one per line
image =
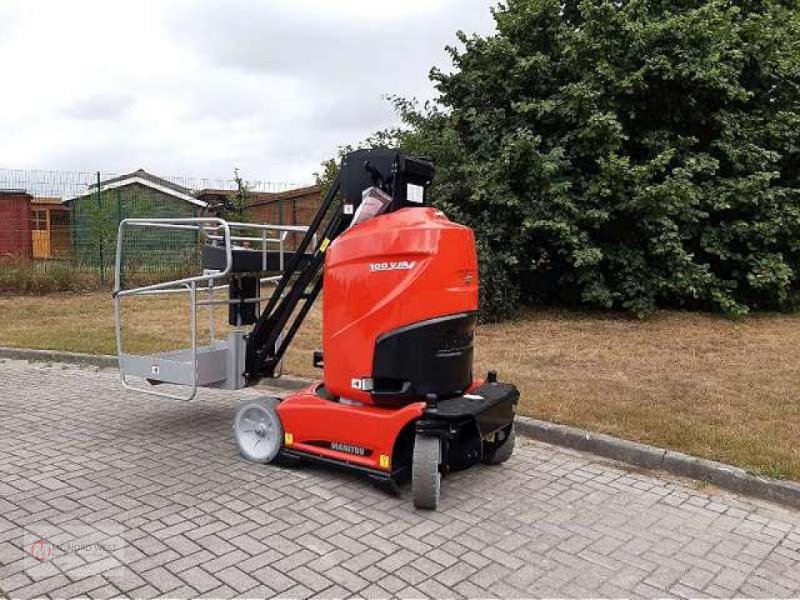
(640, 455)
(649, 457)
(97, 360)
(286, 382)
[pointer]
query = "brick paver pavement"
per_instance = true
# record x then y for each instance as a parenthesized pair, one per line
(136, 496)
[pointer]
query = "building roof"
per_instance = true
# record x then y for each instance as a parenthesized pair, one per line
(144, 178)
(226, 193)
(48, 202)
(261, 198)
(141, 173)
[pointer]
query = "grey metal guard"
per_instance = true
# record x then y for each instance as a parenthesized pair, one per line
(220, 364)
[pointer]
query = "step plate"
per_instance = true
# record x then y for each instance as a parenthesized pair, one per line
(176, 366)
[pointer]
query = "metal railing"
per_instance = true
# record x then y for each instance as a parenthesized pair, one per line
(219, 232)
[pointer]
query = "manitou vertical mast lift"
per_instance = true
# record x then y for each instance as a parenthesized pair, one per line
(398, 395)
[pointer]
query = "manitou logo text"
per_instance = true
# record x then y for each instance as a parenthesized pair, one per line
(348, 448)
(403, 265)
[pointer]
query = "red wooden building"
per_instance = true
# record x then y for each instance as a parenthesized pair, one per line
(15, 224)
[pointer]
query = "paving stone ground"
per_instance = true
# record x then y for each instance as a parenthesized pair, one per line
(105, 493)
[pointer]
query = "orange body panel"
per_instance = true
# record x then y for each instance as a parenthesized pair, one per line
(307, 417)
(393, 270)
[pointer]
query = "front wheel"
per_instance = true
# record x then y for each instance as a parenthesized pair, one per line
(426, 479)
(258, 429)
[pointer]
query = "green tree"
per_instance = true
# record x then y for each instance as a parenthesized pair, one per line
(240, 199)
(233, 207)
(101, 232)
(624, 154)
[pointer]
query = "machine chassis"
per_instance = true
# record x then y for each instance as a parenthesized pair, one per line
(466, 425)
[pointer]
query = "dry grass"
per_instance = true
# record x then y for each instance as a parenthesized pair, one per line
(704, 385)
(85, 323)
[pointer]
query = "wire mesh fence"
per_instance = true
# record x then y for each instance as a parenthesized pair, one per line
(58, 230)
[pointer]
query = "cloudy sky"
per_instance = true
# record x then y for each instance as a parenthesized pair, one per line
(197, 87)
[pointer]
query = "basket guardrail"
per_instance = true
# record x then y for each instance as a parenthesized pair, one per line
(220, 363)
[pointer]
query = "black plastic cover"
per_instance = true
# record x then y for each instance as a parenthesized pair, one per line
(239, 289)
(429, 357)
(389, 170)
(245, 260)
(491, 405)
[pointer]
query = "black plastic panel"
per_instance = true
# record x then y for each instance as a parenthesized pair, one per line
(491, 405)
(243, 287)
(430, 357)
(245, 260)
(389, 170)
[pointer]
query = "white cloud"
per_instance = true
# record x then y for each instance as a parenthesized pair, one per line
(8, 20)
(197, 87)
(100, 106)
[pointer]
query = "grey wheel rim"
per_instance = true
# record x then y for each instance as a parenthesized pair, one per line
(258, 433)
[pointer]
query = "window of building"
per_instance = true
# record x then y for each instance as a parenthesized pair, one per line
(39, 220)
(59, 219)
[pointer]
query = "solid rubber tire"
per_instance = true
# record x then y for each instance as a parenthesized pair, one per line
(268, 407)
(503, 452)
(426, 479)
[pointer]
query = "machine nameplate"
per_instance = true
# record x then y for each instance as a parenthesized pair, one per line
(341, 447)
(402, 265)
(348, 448)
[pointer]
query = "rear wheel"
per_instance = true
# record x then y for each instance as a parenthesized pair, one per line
(426, 480)
(258, 429)
(501, 450)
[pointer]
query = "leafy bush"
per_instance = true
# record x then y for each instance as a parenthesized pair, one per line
(624, 154)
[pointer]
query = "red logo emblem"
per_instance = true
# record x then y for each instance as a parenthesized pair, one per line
(41, 550)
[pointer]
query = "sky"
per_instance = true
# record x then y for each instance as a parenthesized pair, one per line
(195, 88)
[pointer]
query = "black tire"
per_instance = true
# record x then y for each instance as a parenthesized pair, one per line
(258, 430)
(503, 452)
(426, 479)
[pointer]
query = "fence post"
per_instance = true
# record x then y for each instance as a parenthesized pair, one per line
(101, 231)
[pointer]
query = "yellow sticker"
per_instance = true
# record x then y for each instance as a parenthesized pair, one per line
(384, 461)
(288, 439)
(324, 245)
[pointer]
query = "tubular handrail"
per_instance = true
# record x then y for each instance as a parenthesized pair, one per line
(186, 284)
(290, 228)
(191, 288)
(206, 226)
(183, 223)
